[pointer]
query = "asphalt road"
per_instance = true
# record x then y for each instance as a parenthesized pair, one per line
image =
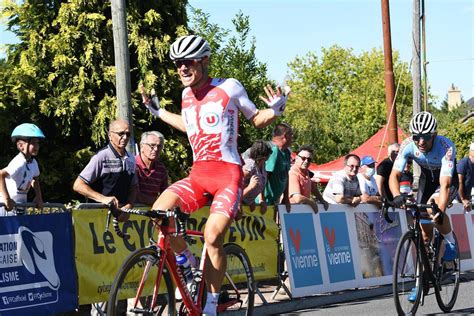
(374, 301)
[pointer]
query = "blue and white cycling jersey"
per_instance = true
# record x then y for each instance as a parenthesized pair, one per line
(439, 160)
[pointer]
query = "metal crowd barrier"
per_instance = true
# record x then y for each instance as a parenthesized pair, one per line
(31, 209)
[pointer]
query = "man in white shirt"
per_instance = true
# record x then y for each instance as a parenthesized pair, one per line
(343, 187)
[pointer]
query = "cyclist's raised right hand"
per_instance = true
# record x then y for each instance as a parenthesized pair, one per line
(399, 201)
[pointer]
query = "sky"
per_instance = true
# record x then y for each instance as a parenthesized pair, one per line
(286, 29)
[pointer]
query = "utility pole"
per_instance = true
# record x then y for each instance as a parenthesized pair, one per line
(416, 55)
(425, 63)
(389, 80)
(416, 75)
(122, 67)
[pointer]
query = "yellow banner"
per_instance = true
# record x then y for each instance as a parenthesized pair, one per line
(99, 254)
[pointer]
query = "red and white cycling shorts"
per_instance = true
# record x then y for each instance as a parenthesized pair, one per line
(221, 180)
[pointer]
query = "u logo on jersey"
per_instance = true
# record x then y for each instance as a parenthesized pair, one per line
(210, 119)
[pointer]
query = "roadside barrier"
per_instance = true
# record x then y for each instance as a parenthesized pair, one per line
(348, 247)
(37, 275)
(99, 254)
(339, 249)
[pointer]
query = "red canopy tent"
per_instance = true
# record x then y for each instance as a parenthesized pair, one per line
(376, 146)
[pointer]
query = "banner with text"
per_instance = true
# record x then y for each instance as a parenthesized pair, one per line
(348, 247)
(37, 265)
(99, 254)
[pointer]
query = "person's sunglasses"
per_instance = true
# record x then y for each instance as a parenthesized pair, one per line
(425, 137)
(122, 134)
(353, 167)
(309, 159)
(186, 62)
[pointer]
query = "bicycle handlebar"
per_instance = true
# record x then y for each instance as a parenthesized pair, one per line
(179, 218)
(417, 207)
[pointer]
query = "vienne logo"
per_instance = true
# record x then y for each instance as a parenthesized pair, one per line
(296, 239)
(330, 237)
(37, 254)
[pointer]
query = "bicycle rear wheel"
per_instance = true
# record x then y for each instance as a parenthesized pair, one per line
(407, 275)
(140, 270)
(237, 292)
(447, 278)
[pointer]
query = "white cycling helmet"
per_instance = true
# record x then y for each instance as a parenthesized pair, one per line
(423, 123)
(190, 47)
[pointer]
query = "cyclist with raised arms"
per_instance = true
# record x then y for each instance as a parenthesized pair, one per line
(209, 115)
(436, 155)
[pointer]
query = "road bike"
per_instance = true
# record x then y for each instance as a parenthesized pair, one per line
(419, 266)
(146, 276)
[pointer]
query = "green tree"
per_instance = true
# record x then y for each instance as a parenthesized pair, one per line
(449, 125)
(338, 99)
(61, 75)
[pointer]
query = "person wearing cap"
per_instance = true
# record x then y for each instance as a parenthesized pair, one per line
(343, 187)
(368, 185)
(465, 170)
(210, 116)
(22, 172)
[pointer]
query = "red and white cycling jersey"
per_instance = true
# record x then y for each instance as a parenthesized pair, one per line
(211, 117)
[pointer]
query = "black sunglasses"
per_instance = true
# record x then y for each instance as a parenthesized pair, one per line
(306, 158)
(186, 62)
(425, 137)
(122, 134)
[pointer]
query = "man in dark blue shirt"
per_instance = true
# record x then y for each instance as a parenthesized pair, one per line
(110, 176)
(465, 170)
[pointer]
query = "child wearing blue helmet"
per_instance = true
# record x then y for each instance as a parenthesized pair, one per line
(22, 172)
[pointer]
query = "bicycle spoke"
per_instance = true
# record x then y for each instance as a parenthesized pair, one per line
(238, 287)
(407, 276)
(134, 288)
(448, 277)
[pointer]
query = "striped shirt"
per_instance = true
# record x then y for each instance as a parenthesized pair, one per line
(153, 181)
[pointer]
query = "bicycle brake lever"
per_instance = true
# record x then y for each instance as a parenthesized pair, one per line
(385, 206)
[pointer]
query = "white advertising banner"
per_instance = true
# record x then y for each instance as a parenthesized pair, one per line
(346, 247)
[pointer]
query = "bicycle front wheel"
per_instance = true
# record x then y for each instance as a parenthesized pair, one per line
(407, 275)
(447, 275)
(137, 278)
(237, 292)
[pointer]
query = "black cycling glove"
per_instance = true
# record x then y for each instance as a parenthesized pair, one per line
(399, 201)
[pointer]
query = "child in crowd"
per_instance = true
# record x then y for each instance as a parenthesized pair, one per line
(22, 172)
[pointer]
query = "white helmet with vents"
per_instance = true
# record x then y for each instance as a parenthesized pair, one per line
(190, 47)
(423, 123)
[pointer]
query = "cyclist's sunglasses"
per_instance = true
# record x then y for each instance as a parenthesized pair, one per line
(187, 62)
(425, 137)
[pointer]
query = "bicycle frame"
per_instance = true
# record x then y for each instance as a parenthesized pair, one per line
(425, 260)
(161, 255)
(167, 256)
